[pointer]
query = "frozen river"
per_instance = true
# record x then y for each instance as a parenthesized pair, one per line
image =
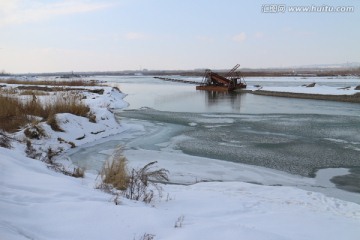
(206, 136)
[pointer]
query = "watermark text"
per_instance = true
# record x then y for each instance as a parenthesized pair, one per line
(283, 8)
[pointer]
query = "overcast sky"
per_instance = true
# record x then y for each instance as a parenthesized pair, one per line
(110, 35)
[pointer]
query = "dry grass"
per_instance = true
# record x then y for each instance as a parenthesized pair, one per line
(15, 114)
(34, 108)
(33, 93)
(68, 103)
(53, 123)
(115, 171)
(12, 115)
(137, 184)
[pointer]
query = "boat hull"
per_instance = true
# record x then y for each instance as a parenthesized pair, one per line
(219, 88)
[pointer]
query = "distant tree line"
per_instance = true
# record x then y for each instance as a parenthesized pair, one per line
(4, 73)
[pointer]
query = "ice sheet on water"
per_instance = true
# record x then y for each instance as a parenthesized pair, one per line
(293, 143)
(191, 152)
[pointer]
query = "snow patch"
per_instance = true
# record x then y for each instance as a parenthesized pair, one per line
(317, 89)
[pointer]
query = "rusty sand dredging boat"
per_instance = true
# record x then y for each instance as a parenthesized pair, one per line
(215, 82)
(212, 81)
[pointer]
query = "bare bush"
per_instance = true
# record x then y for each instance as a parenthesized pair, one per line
(78, 172)
(49, 156)
(141, 181)
(49, 159)
(31, 151)
(147, 236)
(137, 184)
(34, 132)
(179, 222)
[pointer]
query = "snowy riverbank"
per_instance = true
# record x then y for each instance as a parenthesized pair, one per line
(317, 92)
(38, 203)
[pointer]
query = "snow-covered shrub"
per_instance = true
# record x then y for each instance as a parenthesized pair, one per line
(179, 222)
(4, 140)
(137, 184)
(78, 172)
(147, 236)
(58, 167)
(31, 151)
(92, 117)
(34, 132)
(143, 182)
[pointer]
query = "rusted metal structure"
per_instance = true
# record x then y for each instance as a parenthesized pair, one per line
(229, 82)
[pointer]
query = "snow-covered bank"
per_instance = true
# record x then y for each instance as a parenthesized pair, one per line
(38, 203)
(187, 169)
(318, 92)
(77, 130)
(317, 89)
